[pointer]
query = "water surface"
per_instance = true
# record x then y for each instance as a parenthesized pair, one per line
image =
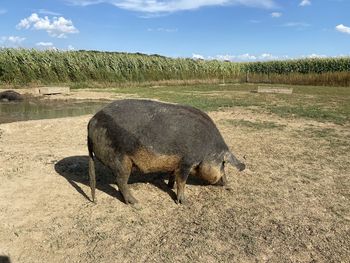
(36, 109)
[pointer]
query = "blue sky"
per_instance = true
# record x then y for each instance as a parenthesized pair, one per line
(237, 30)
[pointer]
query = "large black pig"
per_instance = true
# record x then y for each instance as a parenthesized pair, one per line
(157, 137)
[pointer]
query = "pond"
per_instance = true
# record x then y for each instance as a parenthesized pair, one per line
(35, 109)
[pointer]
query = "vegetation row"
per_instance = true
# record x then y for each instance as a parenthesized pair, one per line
(30, 66)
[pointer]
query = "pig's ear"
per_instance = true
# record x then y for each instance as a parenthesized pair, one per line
(230, 158)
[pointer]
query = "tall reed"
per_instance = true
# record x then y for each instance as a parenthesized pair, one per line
(30, 66)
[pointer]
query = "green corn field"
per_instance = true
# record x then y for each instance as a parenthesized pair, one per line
(34, 67)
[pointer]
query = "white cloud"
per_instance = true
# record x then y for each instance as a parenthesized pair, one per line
(197, 56)
(299, 25)
(305, 3)
(268, 56)
(44, 44)
(247, 57)
(161, 6)
(223, 57)
(57, 27)
(48, 12)
(343, 29)
(276, 14)
(161, 29)
(15, 40)
(314, 56)
(50, 45)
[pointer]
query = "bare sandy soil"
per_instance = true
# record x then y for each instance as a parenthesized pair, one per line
(291, 204)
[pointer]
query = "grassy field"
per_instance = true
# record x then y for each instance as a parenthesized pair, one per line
(291, 204)
(325, 104)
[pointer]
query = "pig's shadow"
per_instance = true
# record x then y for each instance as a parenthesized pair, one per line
(76, 170)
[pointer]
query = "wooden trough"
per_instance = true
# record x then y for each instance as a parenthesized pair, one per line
(275, 90)
(54, 90)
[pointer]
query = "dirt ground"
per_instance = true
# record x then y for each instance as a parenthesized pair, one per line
(291, 204)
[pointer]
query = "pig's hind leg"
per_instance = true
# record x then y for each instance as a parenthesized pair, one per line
(122, 171)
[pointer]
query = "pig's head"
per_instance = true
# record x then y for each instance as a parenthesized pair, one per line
(213, 170)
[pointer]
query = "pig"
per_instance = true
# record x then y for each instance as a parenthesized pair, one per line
(10, 95)
(154, 136)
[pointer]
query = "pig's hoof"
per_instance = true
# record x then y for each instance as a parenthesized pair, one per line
(130, 200)
(180, 199)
